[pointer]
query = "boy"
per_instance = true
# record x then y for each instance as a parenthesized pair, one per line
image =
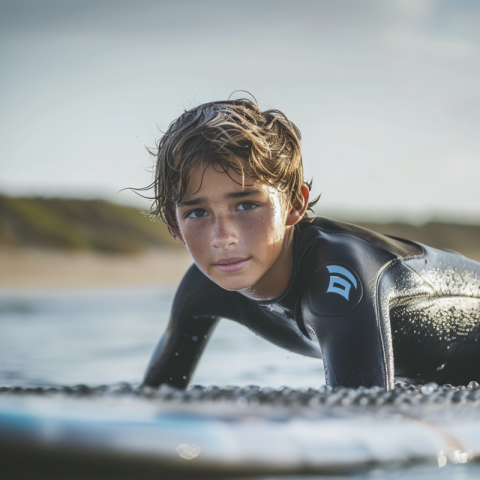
(229, 184)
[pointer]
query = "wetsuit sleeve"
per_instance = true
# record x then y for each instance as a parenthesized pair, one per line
(342, 311)
(197, 307)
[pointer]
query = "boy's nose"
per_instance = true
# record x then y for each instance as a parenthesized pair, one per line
(224, 235)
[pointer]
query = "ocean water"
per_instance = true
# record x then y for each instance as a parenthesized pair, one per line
(104, 335)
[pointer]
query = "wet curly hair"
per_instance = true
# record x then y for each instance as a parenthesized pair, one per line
(235, 135)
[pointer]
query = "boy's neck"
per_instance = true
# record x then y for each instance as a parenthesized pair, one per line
(276, 280)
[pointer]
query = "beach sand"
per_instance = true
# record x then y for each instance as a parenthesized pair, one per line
(39, 269)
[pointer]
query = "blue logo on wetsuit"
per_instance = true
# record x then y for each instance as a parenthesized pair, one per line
(335, 289)
(341, 285)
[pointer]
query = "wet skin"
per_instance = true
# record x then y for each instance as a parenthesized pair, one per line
(239, 235)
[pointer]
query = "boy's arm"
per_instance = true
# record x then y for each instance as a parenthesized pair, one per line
(341, 308)
(197, 307)
(178, 351)
(355, 350)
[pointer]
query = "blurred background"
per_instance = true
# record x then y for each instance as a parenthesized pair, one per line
(386, 94)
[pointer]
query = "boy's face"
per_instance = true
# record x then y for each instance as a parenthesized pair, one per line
(237, 236)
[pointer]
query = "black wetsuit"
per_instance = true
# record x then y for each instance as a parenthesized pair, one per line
(372, 306)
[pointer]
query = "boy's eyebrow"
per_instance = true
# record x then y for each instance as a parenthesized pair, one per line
(243, 193)
(199, 200)
(193, 201)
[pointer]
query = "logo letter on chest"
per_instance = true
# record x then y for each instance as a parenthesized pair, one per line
(341, 285)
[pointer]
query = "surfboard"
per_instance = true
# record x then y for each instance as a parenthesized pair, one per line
(183, 434)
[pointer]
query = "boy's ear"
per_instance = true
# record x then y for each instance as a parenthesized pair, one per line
(298, 207)
(175, 233)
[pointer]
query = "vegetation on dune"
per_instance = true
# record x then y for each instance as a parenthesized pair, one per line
(78, 225)
(104, 227)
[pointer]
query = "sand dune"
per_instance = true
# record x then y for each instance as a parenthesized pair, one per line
(37, 268)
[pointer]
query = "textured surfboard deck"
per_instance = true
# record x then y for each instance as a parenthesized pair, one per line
(249, 431)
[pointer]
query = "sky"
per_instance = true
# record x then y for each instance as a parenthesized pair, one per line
(385, 92)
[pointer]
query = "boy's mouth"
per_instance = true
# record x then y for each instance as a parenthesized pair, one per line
(231, 264)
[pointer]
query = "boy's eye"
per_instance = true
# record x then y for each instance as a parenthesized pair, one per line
(198, 213)
(247, 206)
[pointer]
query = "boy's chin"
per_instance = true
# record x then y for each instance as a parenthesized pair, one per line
(231, 287)
(233, 283)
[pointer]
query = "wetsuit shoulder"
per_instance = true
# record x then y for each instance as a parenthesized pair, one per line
(342, 267)
(400, 247)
